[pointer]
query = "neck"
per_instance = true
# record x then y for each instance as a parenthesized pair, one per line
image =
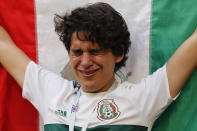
(106, 87)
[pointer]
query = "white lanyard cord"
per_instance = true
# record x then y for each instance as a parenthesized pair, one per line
(73, 113)
(89, 118)
(74, 110)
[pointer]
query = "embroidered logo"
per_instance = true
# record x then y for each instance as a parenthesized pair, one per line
(107, 109)
(61, 113)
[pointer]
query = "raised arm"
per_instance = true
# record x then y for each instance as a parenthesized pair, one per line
(182, 64)
(12, 58)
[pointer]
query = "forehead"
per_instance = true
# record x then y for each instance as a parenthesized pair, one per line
(78, 43)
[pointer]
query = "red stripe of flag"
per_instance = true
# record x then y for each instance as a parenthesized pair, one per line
(18, 18)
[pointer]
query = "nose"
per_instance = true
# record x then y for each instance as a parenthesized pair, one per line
(86, 60)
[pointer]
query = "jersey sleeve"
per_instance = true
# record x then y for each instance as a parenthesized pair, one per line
(42, 86)
(153, 95)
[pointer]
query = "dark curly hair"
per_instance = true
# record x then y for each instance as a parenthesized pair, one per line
(100, 24)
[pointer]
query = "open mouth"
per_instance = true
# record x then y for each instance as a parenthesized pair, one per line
(89, 73)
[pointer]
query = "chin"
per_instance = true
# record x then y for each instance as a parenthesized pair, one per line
(90, 88)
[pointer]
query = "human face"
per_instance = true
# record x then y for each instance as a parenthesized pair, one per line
(93, 67)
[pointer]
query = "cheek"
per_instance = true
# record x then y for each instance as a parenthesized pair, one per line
(74, 62)
(109, 67)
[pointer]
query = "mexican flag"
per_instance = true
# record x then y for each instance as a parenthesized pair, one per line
(157, 30)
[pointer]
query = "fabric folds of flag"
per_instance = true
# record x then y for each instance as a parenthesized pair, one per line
(17, 114)
(172, 23)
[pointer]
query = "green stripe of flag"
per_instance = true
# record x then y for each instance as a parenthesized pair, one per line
(172, 22)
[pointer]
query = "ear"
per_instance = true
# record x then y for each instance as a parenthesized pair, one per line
(119, 58)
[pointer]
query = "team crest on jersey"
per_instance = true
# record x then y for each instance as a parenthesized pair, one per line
(107, 109)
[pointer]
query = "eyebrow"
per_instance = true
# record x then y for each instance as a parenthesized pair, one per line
(76, 50)
(87, 50)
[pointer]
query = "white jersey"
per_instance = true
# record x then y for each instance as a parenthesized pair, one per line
(132, 107)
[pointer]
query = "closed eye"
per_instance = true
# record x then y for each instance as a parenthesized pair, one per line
(77, 52)
(96, 51)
